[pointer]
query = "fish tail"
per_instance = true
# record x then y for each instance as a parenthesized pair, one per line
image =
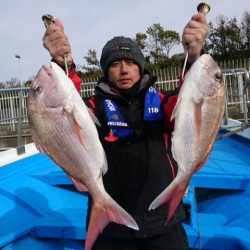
(102, 213)
(173, 195)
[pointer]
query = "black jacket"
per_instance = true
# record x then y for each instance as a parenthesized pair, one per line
(139, 166)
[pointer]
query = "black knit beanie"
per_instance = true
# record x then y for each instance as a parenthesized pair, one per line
(121, 48)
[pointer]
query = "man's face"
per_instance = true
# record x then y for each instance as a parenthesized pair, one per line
(124, 73)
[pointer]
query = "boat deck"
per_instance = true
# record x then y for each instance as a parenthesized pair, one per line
(40, 206)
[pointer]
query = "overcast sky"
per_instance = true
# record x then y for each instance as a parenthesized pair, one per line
(89, 24)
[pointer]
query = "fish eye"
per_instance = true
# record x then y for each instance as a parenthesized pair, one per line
(218, 75)
(38, 89)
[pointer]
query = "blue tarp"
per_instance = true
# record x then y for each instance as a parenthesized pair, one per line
(40, 208)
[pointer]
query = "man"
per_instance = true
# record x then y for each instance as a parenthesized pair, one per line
(135, 132)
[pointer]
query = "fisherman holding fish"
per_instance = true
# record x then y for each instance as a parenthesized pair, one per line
(135, 132)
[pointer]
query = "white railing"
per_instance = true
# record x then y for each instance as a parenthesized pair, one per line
(237, 90)
(87, 89)
(235, 80)
(9, 106)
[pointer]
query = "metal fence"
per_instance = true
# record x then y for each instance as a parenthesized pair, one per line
(9, 106)
(237, 83)
(235, 80)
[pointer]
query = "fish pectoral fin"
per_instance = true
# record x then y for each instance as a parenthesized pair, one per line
(76, 126)
(101, 215)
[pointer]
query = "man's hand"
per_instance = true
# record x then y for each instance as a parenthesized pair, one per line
(56, 42)
(194, 35)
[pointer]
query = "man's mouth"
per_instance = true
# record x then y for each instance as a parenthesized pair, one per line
(124, 80)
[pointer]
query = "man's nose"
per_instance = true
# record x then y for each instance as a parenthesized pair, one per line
(124, 67)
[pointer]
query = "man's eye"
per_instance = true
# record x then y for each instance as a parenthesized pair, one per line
(130, 62)
(114, 64)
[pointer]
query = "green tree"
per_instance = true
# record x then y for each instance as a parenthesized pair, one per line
(155, 50)
(92, 70)
(28, 83)
(92, 60)
(245, 31)
(169, 38)
(2, 85)
(224, 38)
(161, 42)
(140, 38)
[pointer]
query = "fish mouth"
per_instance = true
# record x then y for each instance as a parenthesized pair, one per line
(43, 72)
(48, 69)
(44, 75)
(207, 60)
